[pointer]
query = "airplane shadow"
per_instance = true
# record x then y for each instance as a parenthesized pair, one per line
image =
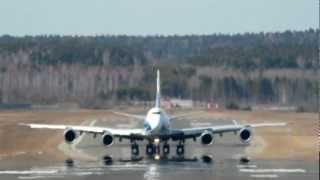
(207, 159)
(108, 160)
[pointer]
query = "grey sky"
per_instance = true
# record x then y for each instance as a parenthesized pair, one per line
(142, 17)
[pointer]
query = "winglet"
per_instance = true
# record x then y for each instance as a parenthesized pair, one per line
(128, 115)
(235, 122)
(23, 124)
(184, 115)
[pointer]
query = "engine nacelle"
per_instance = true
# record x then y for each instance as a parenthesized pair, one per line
(245, 135)
(207, 138)
(107, 139)
(70, 135)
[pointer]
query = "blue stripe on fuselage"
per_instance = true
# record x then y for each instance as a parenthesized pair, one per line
(146, 126)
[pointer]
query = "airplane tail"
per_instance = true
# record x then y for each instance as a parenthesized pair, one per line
(158, 95)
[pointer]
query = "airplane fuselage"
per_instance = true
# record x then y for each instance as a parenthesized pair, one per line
(156, 122)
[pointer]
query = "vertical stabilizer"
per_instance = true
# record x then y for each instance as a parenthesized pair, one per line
(158, 95)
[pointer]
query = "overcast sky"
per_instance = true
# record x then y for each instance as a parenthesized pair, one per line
(149, 17)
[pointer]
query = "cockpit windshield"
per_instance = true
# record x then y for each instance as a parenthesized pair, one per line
(146, 126)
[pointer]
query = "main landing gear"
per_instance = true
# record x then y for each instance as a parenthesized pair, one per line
(154, 148)
(135, 149)
(180, 149)
(166, 149)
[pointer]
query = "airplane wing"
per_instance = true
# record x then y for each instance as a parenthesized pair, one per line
(90, 129)
(135, 116)
(195, 132)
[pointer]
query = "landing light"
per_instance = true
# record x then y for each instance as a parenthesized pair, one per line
(156, 141)
(157, 157)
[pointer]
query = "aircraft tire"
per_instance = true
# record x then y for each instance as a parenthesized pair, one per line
(180, 149)
(135, 149)
(150, 150)
(166, 149)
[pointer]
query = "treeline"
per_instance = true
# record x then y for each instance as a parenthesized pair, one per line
(290, 49)
(273, 68)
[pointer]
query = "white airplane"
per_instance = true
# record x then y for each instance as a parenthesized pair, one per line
(156, 130)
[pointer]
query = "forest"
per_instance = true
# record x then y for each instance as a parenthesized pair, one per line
(278, 68)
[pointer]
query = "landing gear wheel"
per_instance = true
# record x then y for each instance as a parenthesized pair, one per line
(150, 149)
(166, 149)
(135, 149)
(180, 149)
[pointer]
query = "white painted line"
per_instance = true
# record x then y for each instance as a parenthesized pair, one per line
(199, 124)
(273, 170)
(83, 173)
(29, 172)
(31, 177)
(37, 177)
(264, 176)
(20, 153)
(124, 125)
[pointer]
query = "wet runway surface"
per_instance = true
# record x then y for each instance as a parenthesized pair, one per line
(182, 168)
(225, 159)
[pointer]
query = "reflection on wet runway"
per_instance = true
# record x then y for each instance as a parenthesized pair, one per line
(108, 160)
(151, 168)
(148, 167)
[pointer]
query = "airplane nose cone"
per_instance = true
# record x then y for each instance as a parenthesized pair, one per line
(155, 123)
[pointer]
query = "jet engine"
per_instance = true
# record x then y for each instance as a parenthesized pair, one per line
(245, 135)
(107, 139)
(70, 135)
(207, 138)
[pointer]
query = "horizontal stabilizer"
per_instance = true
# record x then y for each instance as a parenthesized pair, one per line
(135, 116)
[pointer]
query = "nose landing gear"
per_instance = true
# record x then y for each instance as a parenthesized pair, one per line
(150, 149)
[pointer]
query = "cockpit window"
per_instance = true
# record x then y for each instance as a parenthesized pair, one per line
(156, 112)
(146, 126)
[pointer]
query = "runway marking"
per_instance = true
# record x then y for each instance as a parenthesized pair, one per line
(264, 176)
(32, 177)
(199, 124)
(124, 125)
(273, 170)
(20, 153)
(28, 172)
(38, 177)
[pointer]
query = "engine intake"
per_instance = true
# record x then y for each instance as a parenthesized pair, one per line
(207, 138)
(245, 135)
(70, 135)
(107, 139)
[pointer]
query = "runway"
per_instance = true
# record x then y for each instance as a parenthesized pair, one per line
(153, 170)
(225, 159)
